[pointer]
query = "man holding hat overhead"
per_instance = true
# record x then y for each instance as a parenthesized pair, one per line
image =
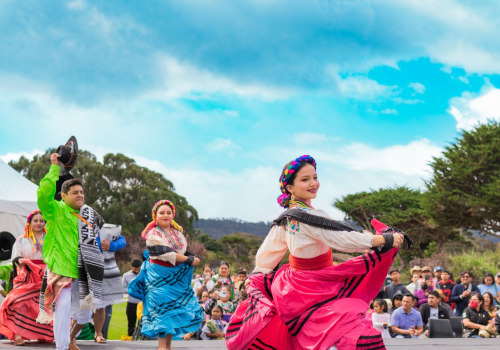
(75, 264)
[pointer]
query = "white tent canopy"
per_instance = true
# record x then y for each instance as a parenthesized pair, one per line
(17, 200)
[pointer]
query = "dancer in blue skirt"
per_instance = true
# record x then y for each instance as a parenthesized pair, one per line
(164, 283)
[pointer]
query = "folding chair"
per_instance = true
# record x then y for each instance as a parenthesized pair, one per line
(457, 326)
(440, 328)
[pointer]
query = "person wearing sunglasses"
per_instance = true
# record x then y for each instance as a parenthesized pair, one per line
(460, 294)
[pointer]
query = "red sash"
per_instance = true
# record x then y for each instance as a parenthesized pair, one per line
(162, 263)
(316, 263)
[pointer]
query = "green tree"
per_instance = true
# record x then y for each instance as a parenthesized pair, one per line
(401, 207)
(119, 189)
(465, 186)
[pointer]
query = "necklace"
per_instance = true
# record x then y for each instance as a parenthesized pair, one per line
(39, 242)
(297, 203)
(172, 237)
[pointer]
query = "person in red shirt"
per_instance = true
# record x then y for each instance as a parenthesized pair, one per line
(446, 285)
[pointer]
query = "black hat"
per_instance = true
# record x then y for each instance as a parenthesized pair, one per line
(68, 153)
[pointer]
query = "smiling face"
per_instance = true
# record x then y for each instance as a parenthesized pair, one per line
(164, 216)
(488, 280)
(223, 271)
(305, 185)
(74, 198)
(37, 223)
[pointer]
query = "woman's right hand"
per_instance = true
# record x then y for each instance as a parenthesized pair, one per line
(398, 240)
(196, 261)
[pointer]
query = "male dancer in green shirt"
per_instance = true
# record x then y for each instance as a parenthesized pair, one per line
(60, 252)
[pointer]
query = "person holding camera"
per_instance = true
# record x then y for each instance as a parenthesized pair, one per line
(204, 283)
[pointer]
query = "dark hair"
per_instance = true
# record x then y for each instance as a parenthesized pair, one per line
(294, 175)
(219, 307)
(446, 271)
(136, 263)
(465, 272)
(242, 272)
(397, 296)
(435, 293)
(382, 303)
(394, 270)
(408, 295)
(223, 263)
(70, 183)
(424, 286)
(479, 296)
(487, 274)
(492, 301)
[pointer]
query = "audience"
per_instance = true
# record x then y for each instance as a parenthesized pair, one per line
(434, 308)
(446, 285)
(381, 318)
(461, 292)
(406, 321)
(395, 286)
(476, 318)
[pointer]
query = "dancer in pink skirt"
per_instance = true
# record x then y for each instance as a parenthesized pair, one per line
(309, 303)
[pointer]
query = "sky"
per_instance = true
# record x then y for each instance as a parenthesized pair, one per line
(219, 95)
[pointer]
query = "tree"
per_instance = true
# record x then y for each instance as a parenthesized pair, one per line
(401, 207)
(464, 190)
(119, 189)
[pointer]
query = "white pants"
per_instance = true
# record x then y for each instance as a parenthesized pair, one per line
(67, 307)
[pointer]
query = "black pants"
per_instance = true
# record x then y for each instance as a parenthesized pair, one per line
(131, 317)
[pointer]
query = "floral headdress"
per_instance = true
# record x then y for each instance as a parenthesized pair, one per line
(28, 230)
(286, 175)
(153, 223)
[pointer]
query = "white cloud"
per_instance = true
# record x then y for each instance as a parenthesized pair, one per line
(221, 144)
(418, 87)
(389, 111)
(362, 88)
(15, 156)
(469, 110)
(77, 5)
(185, 80)
(411, 159)
(250, 194)
(307, 138)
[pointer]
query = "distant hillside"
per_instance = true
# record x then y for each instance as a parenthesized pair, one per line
(217, 228)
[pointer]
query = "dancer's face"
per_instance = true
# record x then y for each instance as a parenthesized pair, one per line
(305, 186)
(37, 223)
(164, 216)
(75, 197)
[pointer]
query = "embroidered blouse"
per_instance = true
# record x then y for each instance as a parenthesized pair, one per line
(171, 238)
(305, 241)
(25, 248)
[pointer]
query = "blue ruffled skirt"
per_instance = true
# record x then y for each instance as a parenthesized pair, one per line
(169, 303)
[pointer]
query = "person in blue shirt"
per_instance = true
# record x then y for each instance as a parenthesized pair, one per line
(406, 321)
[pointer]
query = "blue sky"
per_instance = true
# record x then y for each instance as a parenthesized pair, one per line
(219, 95)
